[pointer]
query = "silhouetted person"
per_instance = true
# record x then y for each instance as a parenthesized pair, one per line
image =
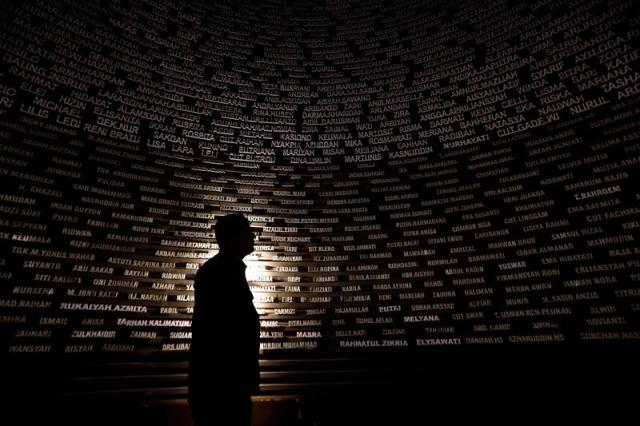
(223, 364)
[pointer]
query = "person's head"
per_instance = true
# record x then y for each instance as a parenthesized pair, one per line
(234, 234)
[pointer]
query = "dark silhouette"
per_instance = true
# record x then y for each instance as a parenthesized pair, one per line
(223, 364)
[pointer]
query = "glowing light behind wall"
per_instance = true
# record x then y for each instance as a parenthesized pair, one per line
(256, 270)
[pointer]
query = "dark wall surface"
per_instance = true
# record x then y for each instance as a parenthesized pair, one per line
(427, 180)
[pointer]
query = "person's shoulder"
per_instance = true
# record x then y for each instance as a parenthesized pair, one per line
(210, 265)
(211, 261)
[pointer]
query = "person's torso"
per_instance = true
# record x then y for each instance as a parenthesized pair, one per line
(225, 321)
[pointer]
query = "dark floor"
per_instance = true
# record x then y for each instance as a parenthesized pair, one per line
(472, 406)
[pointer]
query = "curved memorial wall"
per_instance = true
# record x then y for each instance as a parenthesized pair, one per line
(420, 175)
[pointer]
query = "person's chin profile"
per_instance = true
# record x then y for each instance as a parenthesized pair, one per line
(248, 249)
